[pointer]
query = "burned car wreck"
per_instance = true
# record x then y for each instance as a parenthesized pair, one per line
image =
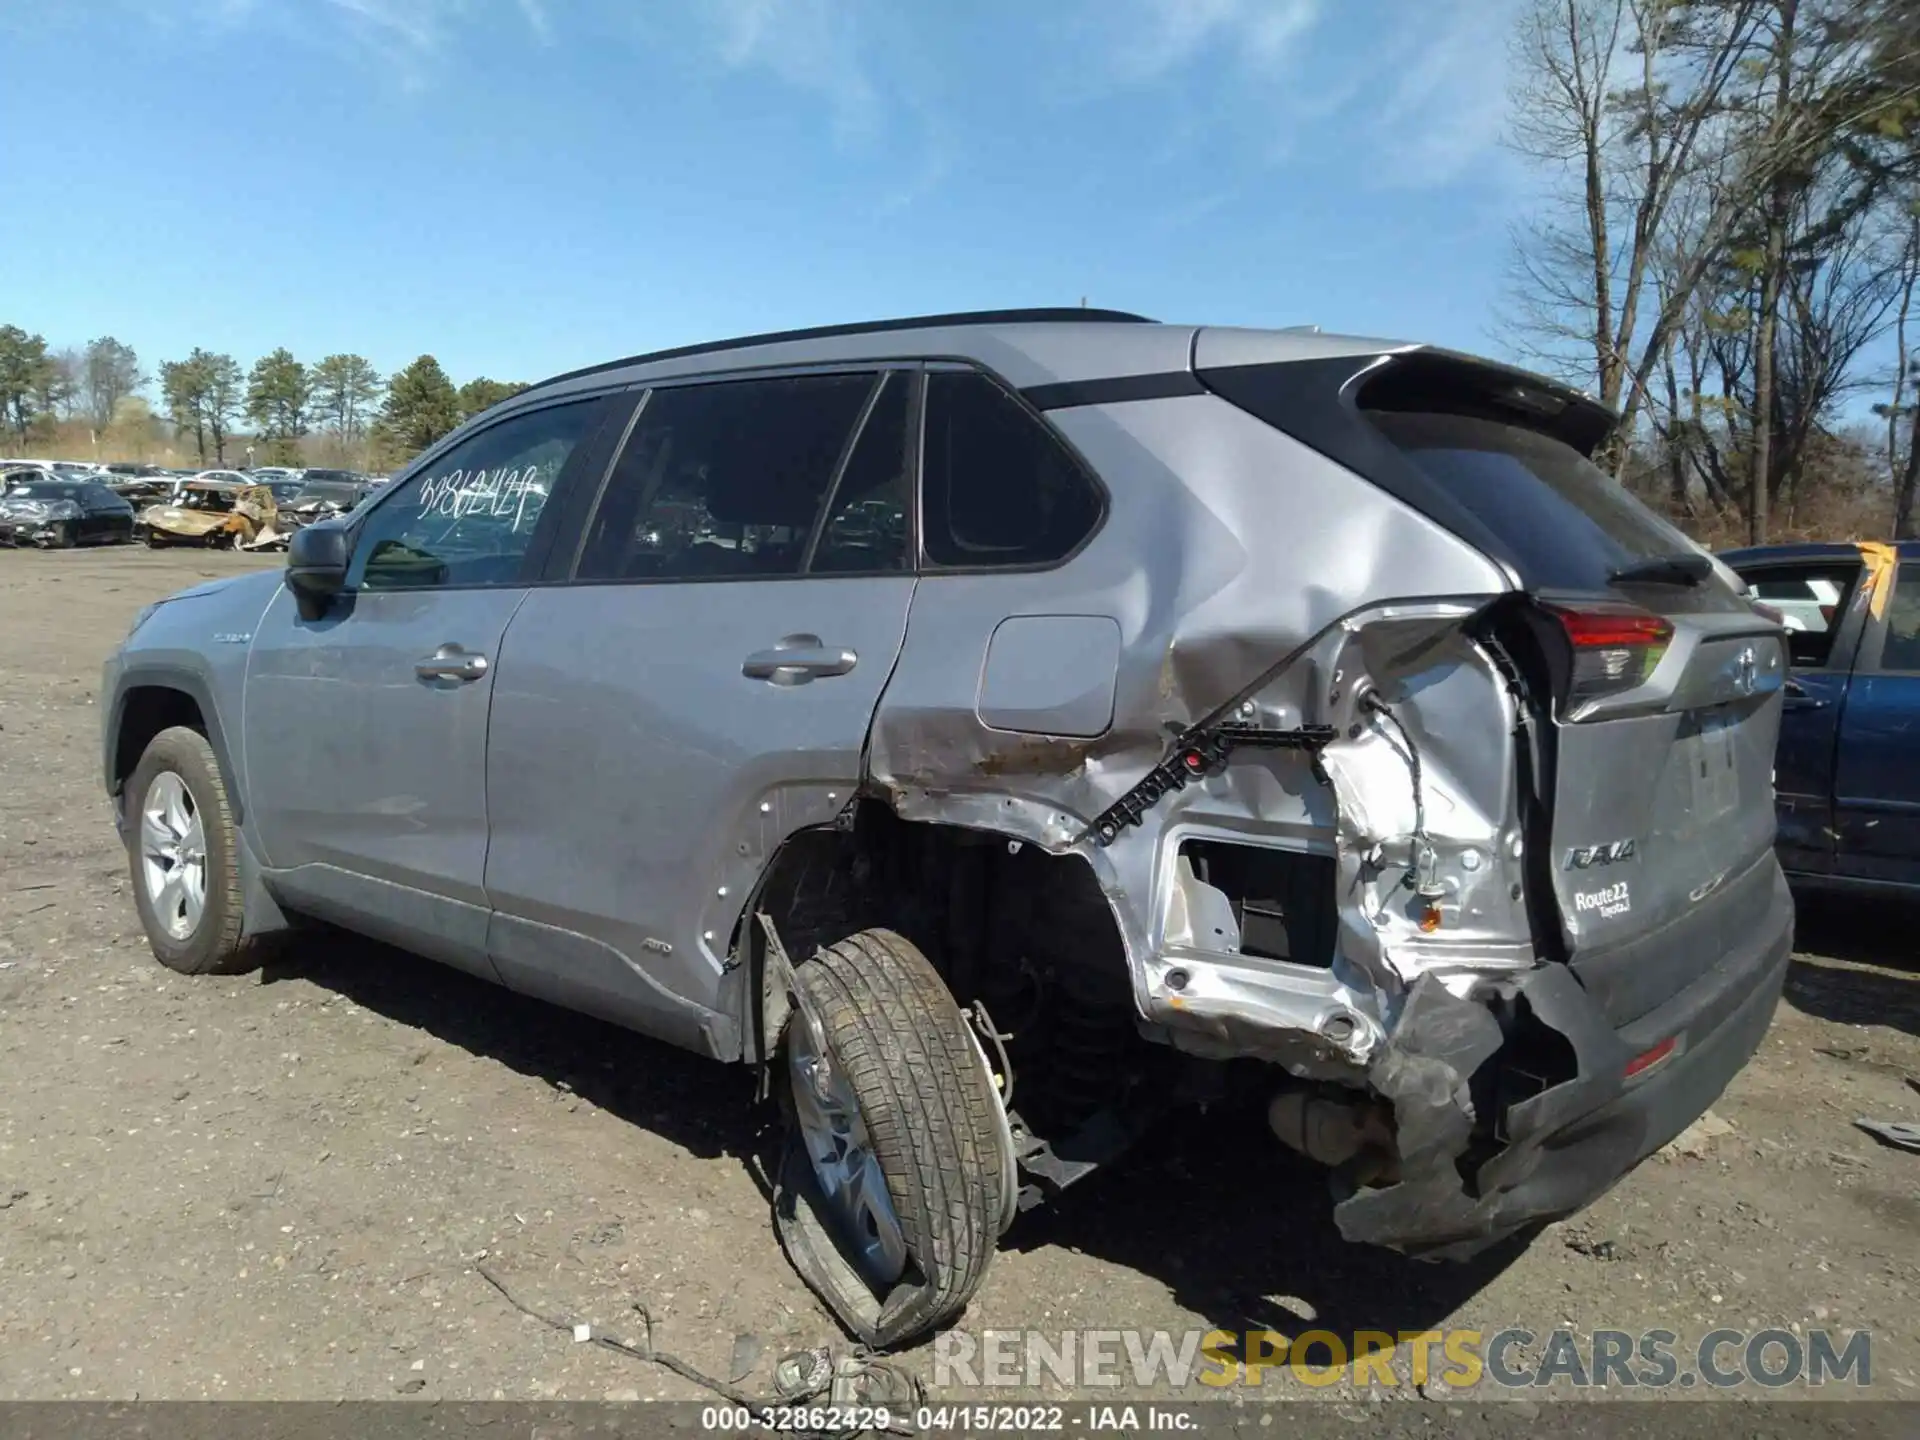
(1054, 721)
(212, 513)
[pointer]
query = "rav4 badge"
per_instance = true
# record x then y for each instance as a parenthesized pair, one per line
(1585, 857)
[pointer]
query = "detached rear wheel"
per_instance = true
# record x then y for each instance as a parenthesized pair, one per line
(896, 1171)
(183, 853)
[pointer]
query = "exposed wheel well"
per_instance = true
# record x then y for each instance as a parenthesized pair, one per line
(1029, 937)
(145, 711)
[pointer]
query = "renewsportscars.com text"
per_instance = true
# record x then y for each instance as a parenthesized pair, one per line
(1514, 1358)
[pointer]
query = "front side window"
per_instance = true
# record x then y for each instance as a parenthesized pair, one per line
(468, 518)
(724, 480)
(998, 487)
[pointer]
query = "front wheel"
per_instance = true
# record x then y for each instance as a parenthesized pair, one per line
(65, 537)
(184, 857)
(897, 1172)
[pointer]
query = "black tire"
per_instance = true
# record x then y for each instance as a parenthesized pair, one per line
(215, 946)
(891, 1027)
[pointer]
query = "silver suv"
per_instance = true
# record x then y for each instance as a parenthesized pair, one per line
(1009, 728)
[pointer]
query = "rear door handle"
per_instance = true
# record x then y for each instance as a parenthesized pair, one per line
(450, 662)
(798, 659)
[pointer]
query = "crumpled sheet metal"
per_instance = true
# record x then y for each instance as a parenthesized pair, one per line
(1228, 546)
(1426, 1072)
(1448, 710)
(1457, 714)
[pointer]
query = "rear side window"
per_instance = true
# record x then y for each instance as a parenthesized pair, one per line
(999, 488)
(1568, 524)
(1901, 649)
(867, 531)
(725, 480)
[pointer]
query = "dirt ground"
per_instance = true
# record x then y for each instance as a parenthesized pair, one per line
(282, 1185)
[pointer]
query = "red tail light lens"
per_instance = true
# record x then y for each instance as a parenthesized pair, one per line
(1648, 1059)
(1615, 647)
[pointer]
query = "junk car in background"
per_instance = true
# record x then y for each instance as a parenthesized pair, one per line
(1847, 775)
(212, 513)
(38, 507)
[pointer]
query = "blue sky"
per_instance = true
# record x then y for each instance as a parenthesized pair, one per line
(522, 186)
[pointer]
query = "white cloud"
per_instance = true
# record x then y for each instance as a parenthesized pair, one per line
(1442, 104)
(1414, 90)
(414, 27)
(812, 45)
(535, 12)
(1155, 37)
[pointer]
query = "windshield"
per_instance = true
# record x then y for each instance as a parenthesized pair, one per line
(44, 490)
(337, 492)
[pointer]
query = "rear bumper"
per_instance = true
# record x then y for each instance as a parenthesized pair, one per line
(1464, 1107)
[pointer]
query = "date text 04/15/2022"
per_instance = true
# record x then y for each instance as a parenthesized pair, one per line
(1022, 1419)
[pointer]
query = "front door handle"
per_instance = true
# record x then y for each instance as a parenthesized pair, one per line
(1799, 699)
(450, 662)
(798, 659)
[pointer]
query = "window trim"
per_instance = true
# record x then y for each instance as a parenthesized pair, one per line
(546, 531)
(924, 564)
(569, 573)
(847, 447)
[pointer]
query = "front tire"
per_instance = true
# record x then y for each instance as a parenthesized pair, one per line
(896, 1140)
(183, 853)
(66, 537)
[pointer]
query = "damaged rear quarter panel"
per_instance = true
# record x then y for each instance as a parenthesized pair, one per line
(1227, 546)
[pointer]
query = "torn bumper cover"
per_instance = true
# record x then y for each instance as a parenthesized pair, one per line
(1485, 1151)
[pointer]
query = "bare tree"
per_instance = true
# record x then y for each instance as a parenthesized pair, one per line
(1710, 145)
(110, 373)
(1903, 416)
(1618, 102)
(65, 381)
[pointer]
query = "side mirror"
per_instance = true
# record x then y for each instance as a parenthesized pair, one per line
(317, 560)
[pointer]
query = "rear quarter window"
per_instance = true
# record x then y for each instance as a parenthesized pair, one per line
(999, 488)
(1567, 522)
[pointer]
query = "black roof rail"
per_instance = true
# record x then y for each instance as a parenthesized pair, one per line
(1056, 314)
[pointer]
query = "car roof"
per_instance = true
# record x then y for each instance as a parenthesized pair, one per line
(1028, 348)
(1810, 550)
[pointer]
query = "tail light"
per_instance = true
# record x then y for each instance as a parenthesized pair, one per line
(1615, 648)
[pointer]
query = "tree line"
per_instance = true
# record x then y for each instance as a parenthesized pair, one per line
(207, 399)
(1728, 253)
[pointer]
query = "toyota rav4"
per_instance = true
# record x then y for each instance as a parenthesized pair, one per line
(1004, 729)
